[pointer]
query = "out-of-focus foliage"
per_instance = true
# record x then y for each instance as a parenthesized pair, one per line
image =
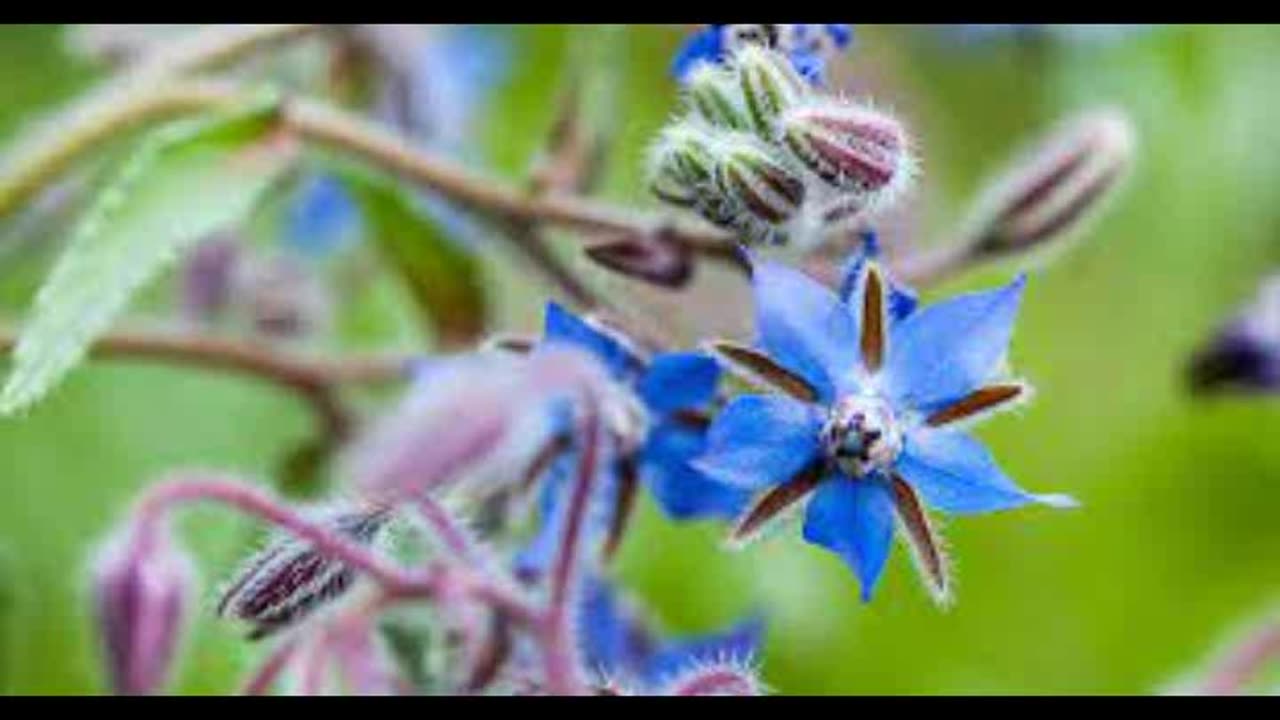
(1176, 539)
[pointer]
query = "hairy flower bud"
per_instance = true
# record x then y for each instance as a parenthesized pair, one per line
(682, 172)
(1056, 185)
(1245, 354)
(712, 94)
(142, 585)
(763, 186)
(770, 86)
(289, 579)
(851, 148)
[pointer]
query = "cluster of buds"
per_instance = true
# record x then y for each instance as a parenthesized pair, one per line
(765, 154)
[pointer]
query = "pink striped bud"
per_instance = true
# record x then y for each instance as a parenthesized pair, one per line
(290, 579)
(142, 586)
(1056, 186)
(852, 148)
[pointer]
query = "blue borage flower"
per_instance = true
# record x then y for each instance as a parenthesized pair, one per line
(663, 431)
(872, 397)
(621, 647)
(806, 44)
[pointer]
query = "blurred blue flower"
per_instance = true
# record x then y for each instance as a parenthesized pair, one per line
(323, 218)
(668, 391)
(874, 393)
(620, 646)
(808, 45)
(1244, 354)
(454, 73)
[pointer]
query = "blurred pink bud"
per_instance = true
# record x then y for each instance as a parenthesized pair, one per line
(477, 419)
(142, 584)
(207, 278)
(651, 257)
(1056, 185)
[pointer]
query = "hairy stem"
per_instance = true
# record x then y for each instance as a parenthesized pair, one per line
(716, 680)
(1244, 662)
(560, 644)
(141, 95)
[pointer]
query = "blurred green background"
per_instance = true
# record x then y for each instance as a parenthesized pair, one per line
(1176, 541)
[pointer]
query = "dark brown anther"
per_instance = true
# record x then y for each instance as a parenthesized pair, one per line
(624, 506)
(976, 402)
(930, 558)
(873, 337)
(758, 368)
(774, 502)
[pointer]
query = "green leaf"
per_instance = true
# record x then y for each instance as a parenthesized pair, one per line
(444, 278)
(187, 179)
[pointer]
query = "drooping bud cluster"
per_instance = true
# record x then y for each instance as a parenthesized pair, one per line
(762, 152)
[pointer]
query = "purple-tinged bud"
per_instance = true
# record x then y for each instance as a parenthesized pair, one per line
(712, 94)
(1245, 354)
(1055, 186)
(289, 579)
(770, 86)
(142, 587)
(651, 257)
(207, 278)
(282, 297)
(760, 184)
(477, 420)
(852, 148)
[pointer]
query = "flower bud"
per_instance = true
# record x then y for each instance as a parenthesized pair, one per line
(650, 257)
(852, 148)
(289, 579)
(713, 96)
(142, 585)
(766, 188)
(770, 86)
(1245, 354)
(1056, 186)
(683, 168)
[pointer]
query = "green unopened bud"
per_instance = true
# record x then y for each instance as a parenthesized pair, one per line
(713, 95)
(770, 86)
(681, 164)
(759, 182)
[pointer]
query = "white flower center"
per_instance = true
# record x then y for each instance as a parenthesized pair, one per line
(862, 434)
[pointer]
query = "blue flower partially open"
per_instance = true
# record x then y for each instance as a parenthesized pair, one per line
(808, 45)
(666, 431)
(621, 647)
(867, 424)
